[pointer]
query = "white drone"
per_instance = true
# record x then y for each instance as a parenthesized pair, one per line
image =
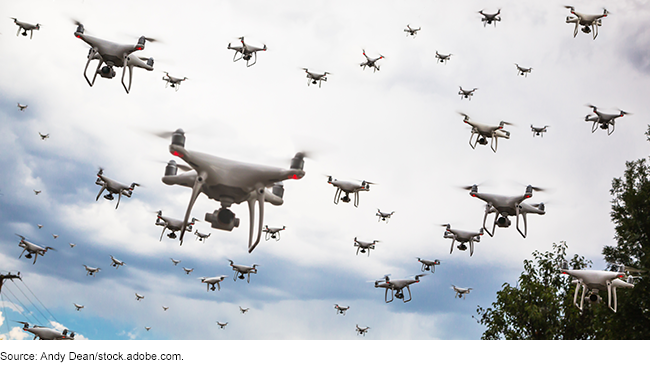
(174, 82)
(165, 308)
(246, 51)
(32, 249)
(539, 131)
(243, 270)
(603, 120)
(363, 246)
(92, 271)
(362, 331)
(147, 328)
(36, 192)
(272, 232)
(484, 132)
(176, 262)
(467, 94)
(201, 236)
(411, 31)
(78, 306)
(243, 310)
(44, 136)
(26, 27)
(396, 287)
(55, 236)
(586, 20)
(371, 62)
(222, 325)
(113, 187)
(312, 77)
(138, 297)
(384, 216)
(461, 292)
(490, 18)
(523, 71)
(22, 107)
(188, 271)
(116, 263)
(348, 187)
(113, 55)
(464, 237)
(341, 310)
(211, 282)
(428, 265)
(173, 225)
(45, 333)
(443, 58)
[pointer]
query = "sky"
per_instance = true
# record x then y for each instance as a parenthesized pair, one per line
(399, 127)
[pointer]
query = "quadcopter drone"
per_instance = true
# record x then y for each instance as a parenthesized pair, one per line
(490, 18)
(22, 107)
(384, 216)
(396, 287)
(165, 308)
(597, 280)
(188, 271)
(605, 121)
(116, 263)
(211, 282)
(363, 246)
(26, 27)
(411, 31)
(428, 265)
(246, 51)
(523, 71)
(460, 291)
(32, 249)
(229, 182)
(113, 55)
(348, 187)
(72, 244)
(45, 333)
(113, 187)
(463, 237)
(362, 331)
(243, 310)
(36, 192)
(341, 310)
(176, 262)
(222, 325)
(467, 94)
(539, 131)
(371, 62)
(313, 77)
(243, 270)
(147, 328)
(55, 236)
(78, 306)
(174, 82)
(504, 206)
(138, 297)
(201, 236)
(443, 58)
(92, 271)
(173, 225)
(44, 136)
(272, 232)
(593, 21)
(484, 132)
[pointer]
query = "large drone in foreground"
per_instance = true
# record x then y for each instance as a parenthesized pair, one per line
(113, 187)
(484, 132)
(586, 21)
(45, 333)
(603, 120)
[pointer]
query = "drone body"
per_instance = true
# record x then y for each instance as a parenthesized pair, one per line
(113, 187)
(586, 21)
(138, 297)
(272, 232)
(116, 263)
(490, 18)
(165, 308)
(201, 236)
(539, 131)
(362, 331)
(173, 225)
(371, 62)
(44, 136)
(484, 132)
(44, 333)
(396, 287)
(92, 271)
(523, 71)
(443, 58)
(384, 216)
(22, 107)
(341, 310)
(428, 265)
(246, 51)
(174, 82)
(467, 94)
(243, 310)
(461, 292)
(595, 281)
(363, 246)
(348, 187)
(78, 306)
(26, 27)
(188, 271)
(211, 282)
(32, 249)
(464, 237)
(55, 236)
(312, 77)
(243, 270)
(411, 31)
(603, 120)
(222, 325)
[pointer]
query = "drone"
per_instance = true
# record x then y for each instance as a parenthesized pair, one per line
(605, 121)
(362, 331)
(396, 287)
(229, 182)
(313, 77)
(504, 206)
(116, 263)
(201, 236)
(78, 306)
(246, 51)
(26, 27)
(113, 187)
(174, 82)
(467, 94)
(371, 62)
(44, 136)
(147, 328)
(443, 58)
(188, 271)
(597, 280)
(138, 297)
(243, 310)
(460, 291)
(72, 244)
(523, 71)
(348, 187)
(55, 236)
(363, 246)
(45, 333)
(92, 271)
(222, 325)
(173, 225)
(484, 132)
(539, 131)
(213, 281)
(384, 216)
(586, 21)
(165, 308)
(113, 55)
(241, 269)
(36, 192)
(490, 18)
(272, 232)
(411, 31)
(39, 226)
(463, 237)
(341, 310)
(32, 249)
(428, 265)
(22, 107)
(176, 262)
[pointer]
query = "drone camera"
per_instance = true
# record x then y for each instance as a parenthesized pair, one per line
(503, 222)
(223, 219)
(107, 72)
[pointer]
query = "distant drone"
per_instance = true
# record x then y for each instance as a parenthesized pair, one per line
(173, 225)
(44, 136)
(341, 310)
(272, 232)
(116, 263)
(176, 262)
(523, 71)
(490, 18)
(484, 132)
(174, 82)
(147, 328)
(36, 192)
(165, 308)
(78, 306)
(39, 226)
(55, 236)
(443, 58)
(396, 287)
(45, 333)
(92, 271)
(113, 187)
(411, 31)
(602, 120)
(246, 51)
(211, 282)
(72, 245)
(32, 249)
(504, 206)
(26, 27)
(467, 94)
(138, 297)
(428, 265)
(363, 246)
(460, 291)
(243, 270)
(222, 325)
(593, 21)
(348, 188)
(229, 182)
(201, 236)
(243, 310)
(188, 271)
(22, 107)
(313, 77)
(464, 237)
(539, 131)
(371, 62)
(362, 331)
(113, 55)
(384, 216)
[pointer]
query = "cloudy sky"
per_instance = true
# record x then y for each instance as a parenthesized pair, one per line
(398, 127)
